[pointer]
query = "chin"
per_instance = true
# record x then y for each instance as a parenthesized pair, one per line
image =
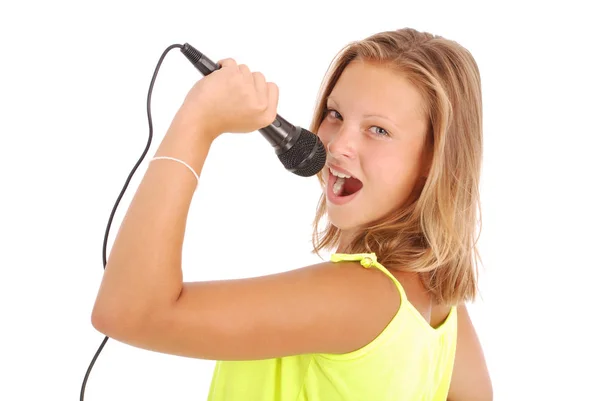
(340, 222)
(346, 217)
(356, 214)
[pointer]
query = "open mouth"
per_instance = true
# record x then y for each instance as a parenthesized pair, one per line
(342, 184)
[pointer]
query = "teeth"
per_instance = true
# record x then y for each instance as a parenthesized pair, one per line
(338, 186)
(338, 174)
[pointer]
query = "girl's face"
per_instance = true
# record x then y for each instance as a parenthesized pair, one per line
(375, 132)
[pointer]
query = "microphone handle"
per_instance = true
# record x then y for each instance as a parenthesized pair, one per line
(281, 134)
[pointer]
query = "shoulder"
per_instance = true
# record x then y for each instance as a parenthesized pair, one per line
(348, 304)
(330, 307)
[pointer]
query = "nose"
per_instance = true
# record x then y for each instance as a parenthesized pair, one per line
(342, 144)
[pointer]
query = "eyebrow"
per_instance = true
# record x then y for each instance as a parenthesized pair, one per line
(329, 98)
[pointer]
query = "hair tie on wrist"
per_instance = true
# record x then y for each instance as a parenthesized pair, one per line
(177, 160)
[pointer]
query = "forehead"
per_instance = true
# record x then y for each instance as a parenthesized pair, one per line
(369, 88)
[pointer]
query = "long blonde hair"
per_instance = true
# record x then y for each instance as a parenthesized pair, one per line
(434, 235)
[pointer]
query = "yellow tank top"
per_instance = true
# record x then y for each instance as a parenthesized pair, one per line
(409, 361)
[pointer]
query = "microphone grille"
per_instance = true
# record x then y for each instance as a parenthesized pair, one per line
(306, 157)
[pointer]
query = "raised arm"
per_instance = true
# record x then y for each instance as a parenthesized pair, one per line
(143, 300)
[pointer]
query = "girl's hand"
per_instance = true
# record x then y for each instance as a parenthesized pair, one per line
(231, 99)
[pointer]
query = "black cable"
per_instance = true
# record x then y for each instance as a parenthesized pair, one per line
(112, 214)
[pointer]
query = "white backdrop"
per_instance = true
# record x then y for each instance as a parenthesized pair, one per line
(73, 86)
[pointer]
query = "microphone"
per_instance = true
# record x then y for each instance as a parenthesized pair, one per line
(299, 150)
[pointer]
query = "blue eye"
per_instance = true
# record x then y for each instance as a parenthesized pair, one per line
(333, 113)
(379, 131)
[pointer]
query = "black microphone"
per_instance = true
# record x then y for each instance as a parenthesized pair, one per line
(299, 150)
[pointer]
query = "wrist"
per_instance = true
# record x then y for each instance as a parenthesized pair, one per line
(196, 123)
(189, 135)
(188, 138)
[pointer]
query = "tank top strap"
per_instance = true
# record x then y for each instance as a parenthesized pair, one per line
(368, 260)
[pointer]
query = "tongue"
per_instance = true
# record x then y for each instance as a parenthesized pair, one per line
(351, 185)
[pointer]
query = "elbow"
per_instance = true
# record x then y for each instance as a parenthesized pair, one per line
(112, 323)
(103, 321)
(125, 326)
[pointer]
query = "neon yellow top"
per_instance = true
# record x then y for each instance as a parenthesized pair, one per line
(409, 360)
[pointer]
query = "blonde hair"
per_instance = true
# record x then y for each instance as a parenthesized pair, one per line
(434, 234)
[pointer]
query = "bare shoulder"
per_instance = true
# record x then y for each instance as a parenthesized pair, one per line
(323, 308)
(470, 377)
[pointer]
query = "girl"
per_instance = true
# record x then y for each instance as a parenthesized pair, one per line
(384, 319)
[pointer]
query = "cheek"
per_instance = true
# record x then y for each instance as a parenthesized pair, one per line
(392, 178)
(322, 134)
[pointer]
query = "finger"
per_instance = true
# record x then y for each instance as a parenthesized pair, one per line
(245, 70)
(227, 62)
(273, 91)
(262, 91)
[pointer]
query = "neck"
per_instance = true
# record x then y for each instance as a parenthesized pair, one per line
(346, 238)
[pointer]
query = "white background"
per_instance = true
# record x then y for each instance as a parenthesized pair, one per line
(73, 86)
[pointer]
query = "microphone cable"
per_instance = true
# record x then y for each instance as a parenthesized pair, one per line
(112, 214)
(300, 151)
